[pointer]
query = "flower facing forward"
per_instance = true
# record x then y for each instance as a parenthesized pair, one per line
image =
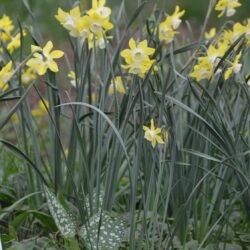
(44, 58)
(137, 57)
(227, 6)
(152, 134)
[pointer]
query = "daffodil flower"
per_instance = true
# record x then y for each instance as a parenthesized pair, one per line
(41, 109)
(234, 68)
(44, 58)
(174, 19)
(227, 6)
(72, 77)
(15, 42)
(137, 57)
(166, 33)
(28, 75)
(202, 70)
(167, 28)
(5, 74)
(210, 34)
(116, 85)
(70, 20)
(6, 27)
(152, 134)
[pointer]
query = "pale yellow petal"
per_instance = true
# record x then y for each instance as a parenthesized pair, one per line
(53, 66)
(56, 54)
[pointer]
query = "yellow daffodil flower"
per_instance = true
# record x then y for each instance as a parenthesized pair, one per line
(174, 19)
(227, 6)
(15, 118)
(28, 75)
(169, 25)
(15, 42)
(214, 54)
(152, 134)
(70, 20)
(234, 68)
(90, 26)
(137, 57)
(166, 32)
(5, 74)
(72, 77)
(44, 58)
(41, 109)
(137, 52)
(99, 9)
(247, 30)
(116, 85)
(210, 34)
(6, 27)
(202, 70)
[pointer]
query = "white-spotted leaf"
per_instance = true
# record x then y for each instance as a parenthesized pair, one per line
(103, 232)
(63, 220)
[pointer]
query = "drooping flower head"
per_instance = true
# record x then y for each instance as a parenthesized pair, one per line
(116, 85)
(41, 109)
(234, 68)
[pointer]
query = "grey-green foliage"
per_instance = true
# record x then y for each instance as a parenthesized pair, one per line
(103, 232)
(63, 220)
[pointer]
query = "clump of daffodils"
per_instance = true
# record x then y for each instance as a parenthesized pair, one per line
(137, 57)
(91, 26)
(167, 28)
(208, 61)
(153, 134)
(227, 6)
(9, 38)
(206, 64)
